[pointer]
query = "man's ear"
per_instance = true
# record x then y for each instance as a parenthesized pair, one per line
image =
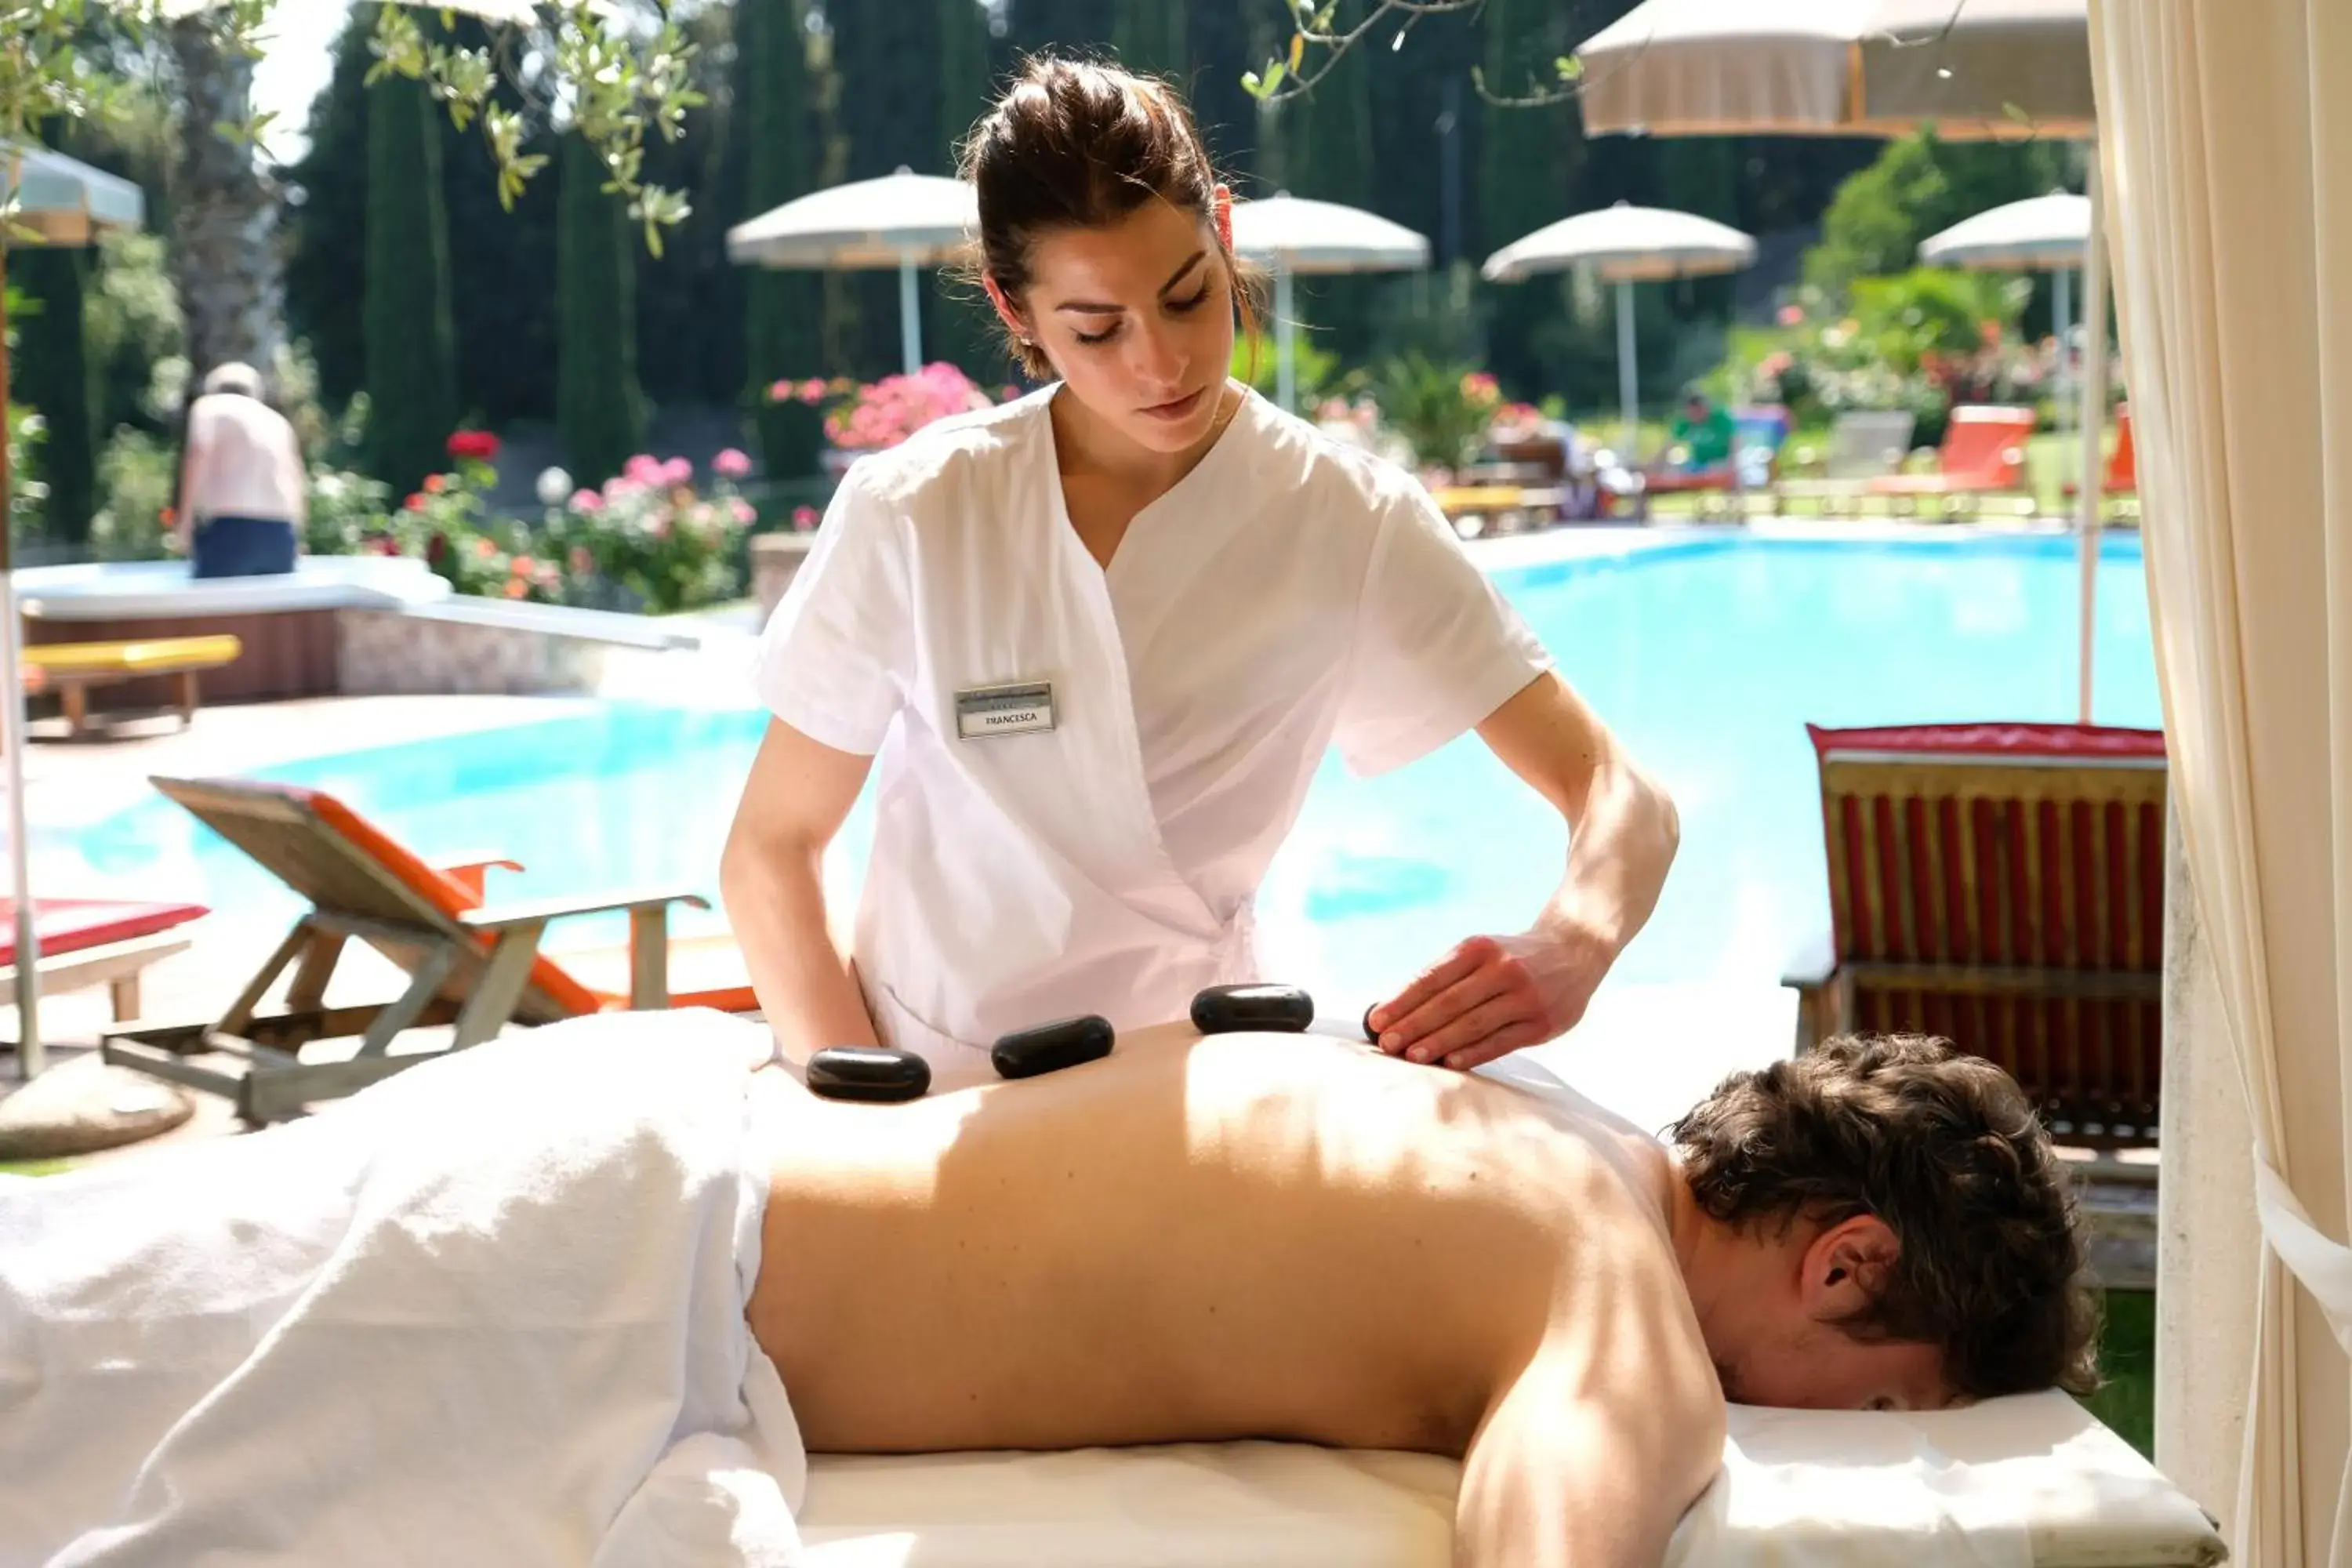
(1224, 205)
(1006, 310)
(1843, 1268)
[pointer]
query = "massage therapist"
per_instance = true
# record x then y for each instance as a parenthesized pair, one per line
(1099, 637)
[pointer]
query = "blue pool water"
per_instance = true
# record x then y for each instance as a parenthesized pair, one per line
(1707, 656)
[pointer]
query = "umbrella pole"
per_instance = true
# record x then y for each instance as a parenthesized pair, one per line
(2094, 418)
(1627, 380)
(12, 736)
(1286, 371)
(2062, 311)
(910, 316)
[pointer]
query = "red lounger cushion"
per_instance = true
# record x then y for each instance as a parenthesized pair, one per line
(69, 925)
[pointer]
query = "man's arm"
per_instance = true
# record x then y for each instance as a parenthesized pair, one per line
(1589, 1461)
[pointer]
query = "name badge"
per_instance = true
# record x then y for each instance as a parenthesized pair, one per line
(1021, 710)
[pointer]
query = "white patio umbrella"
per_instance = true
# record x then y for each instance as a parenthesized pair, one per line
(2041, 234)
(1975, 68)
(1625, 245)
(1292, 234)
(46, 198)
(904, 220)
(1972, 69)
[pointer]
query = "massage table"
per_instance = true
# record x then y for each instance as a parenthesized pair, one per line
(2026, 1482)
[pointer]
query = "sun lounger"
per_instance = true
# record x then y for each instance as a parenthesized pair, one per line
(2001, 886)
(1864, 443)
(474, 966)
(68, 671)
(95, 942)
(1983, 454)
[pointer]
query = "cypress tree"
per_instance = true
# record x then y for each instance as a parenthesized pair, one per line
(962, 327)
(781, 309)
(329, 228)
(598, 407)
(412, 356)
(888, 60)
(1328, 135)
(54, 376)
(1150, 36)
(1067, 27)
(1217, 34)
(1529, 159)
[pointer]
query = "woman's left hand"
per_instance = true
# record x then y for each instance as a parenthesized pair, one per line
(1493, 995)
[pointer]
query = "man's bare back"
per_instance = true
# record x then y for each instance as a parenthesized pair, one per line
(1277, 1236)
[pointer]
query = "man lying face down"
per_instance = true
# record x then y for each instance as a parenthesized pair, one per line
(1243, 1236)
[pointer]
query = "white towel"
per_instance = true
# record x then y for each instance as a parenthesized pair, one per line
(490, 1311)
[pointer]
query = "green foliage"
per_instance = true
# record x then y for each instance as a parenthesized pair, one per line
(1440, 410)
(620, 90)
(411, 343)
(52, 372)
(136, 479)
(599, 408)
(1258, 362)
(1922, 341)
(131, 317)
(1150, 36)
(1919, 187)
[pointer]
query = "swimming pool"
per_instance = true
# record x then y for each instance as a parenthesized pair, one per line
(1708, 657)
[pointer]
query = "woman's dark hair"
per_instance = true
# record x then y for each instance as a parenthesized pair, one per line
(1078, 144)
(1943, 1147)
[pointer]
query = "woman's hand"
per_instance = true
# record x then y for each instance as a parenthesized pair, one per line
(1493, 995)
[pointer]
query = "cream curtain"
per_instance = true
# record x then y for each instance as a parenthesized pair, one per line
(2227, 143)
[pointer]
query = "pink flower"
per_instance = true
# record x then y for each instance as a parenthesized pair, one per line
(810, 391)
(780, 392)
(730, 464)
(587, 500)
(1792, 315)
(643, 470)
(804, 518)
(677, 471)
(742, 510)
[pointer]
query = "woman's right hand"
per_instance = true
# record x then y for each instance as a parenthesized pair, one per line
(772, 879)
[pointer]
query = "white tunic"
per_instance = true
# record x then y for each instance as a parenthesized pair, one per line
(1287, 595)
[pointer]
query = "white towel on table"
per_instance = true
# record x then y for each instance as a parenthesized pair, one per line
(490, 1311)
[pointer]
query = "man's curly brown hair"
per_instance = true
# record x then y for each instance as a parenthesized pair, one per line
(1945, 1149)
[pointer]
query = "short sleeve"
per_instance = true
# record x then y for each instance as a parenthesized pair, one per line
(831, 663)
(1437, 646)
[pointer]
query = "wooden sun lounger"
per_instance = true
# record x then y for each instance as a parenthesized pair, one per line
(70, 670)
(474, 966)
(96, 942)
(2001, 886)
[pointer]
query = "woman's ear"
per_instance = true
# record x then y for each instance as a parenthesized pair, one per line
(1224, 205)
(1845, 1265)
(1006, 310)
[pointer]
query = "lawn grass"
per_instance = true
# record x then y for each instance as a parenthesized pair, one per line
(2128, 1360)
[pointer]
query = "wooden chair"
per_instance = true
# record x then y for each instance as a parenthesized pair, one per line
(2002, 885)
(471, 963)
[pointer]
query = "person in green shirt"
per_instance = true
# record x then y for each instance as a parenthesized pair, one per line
(1704, 432)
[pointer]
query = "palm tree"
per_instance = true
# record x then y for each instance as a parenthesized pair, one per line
(225, 254)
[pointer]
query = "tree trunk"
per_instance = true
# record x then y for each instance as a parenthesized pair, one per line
(225, 256)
